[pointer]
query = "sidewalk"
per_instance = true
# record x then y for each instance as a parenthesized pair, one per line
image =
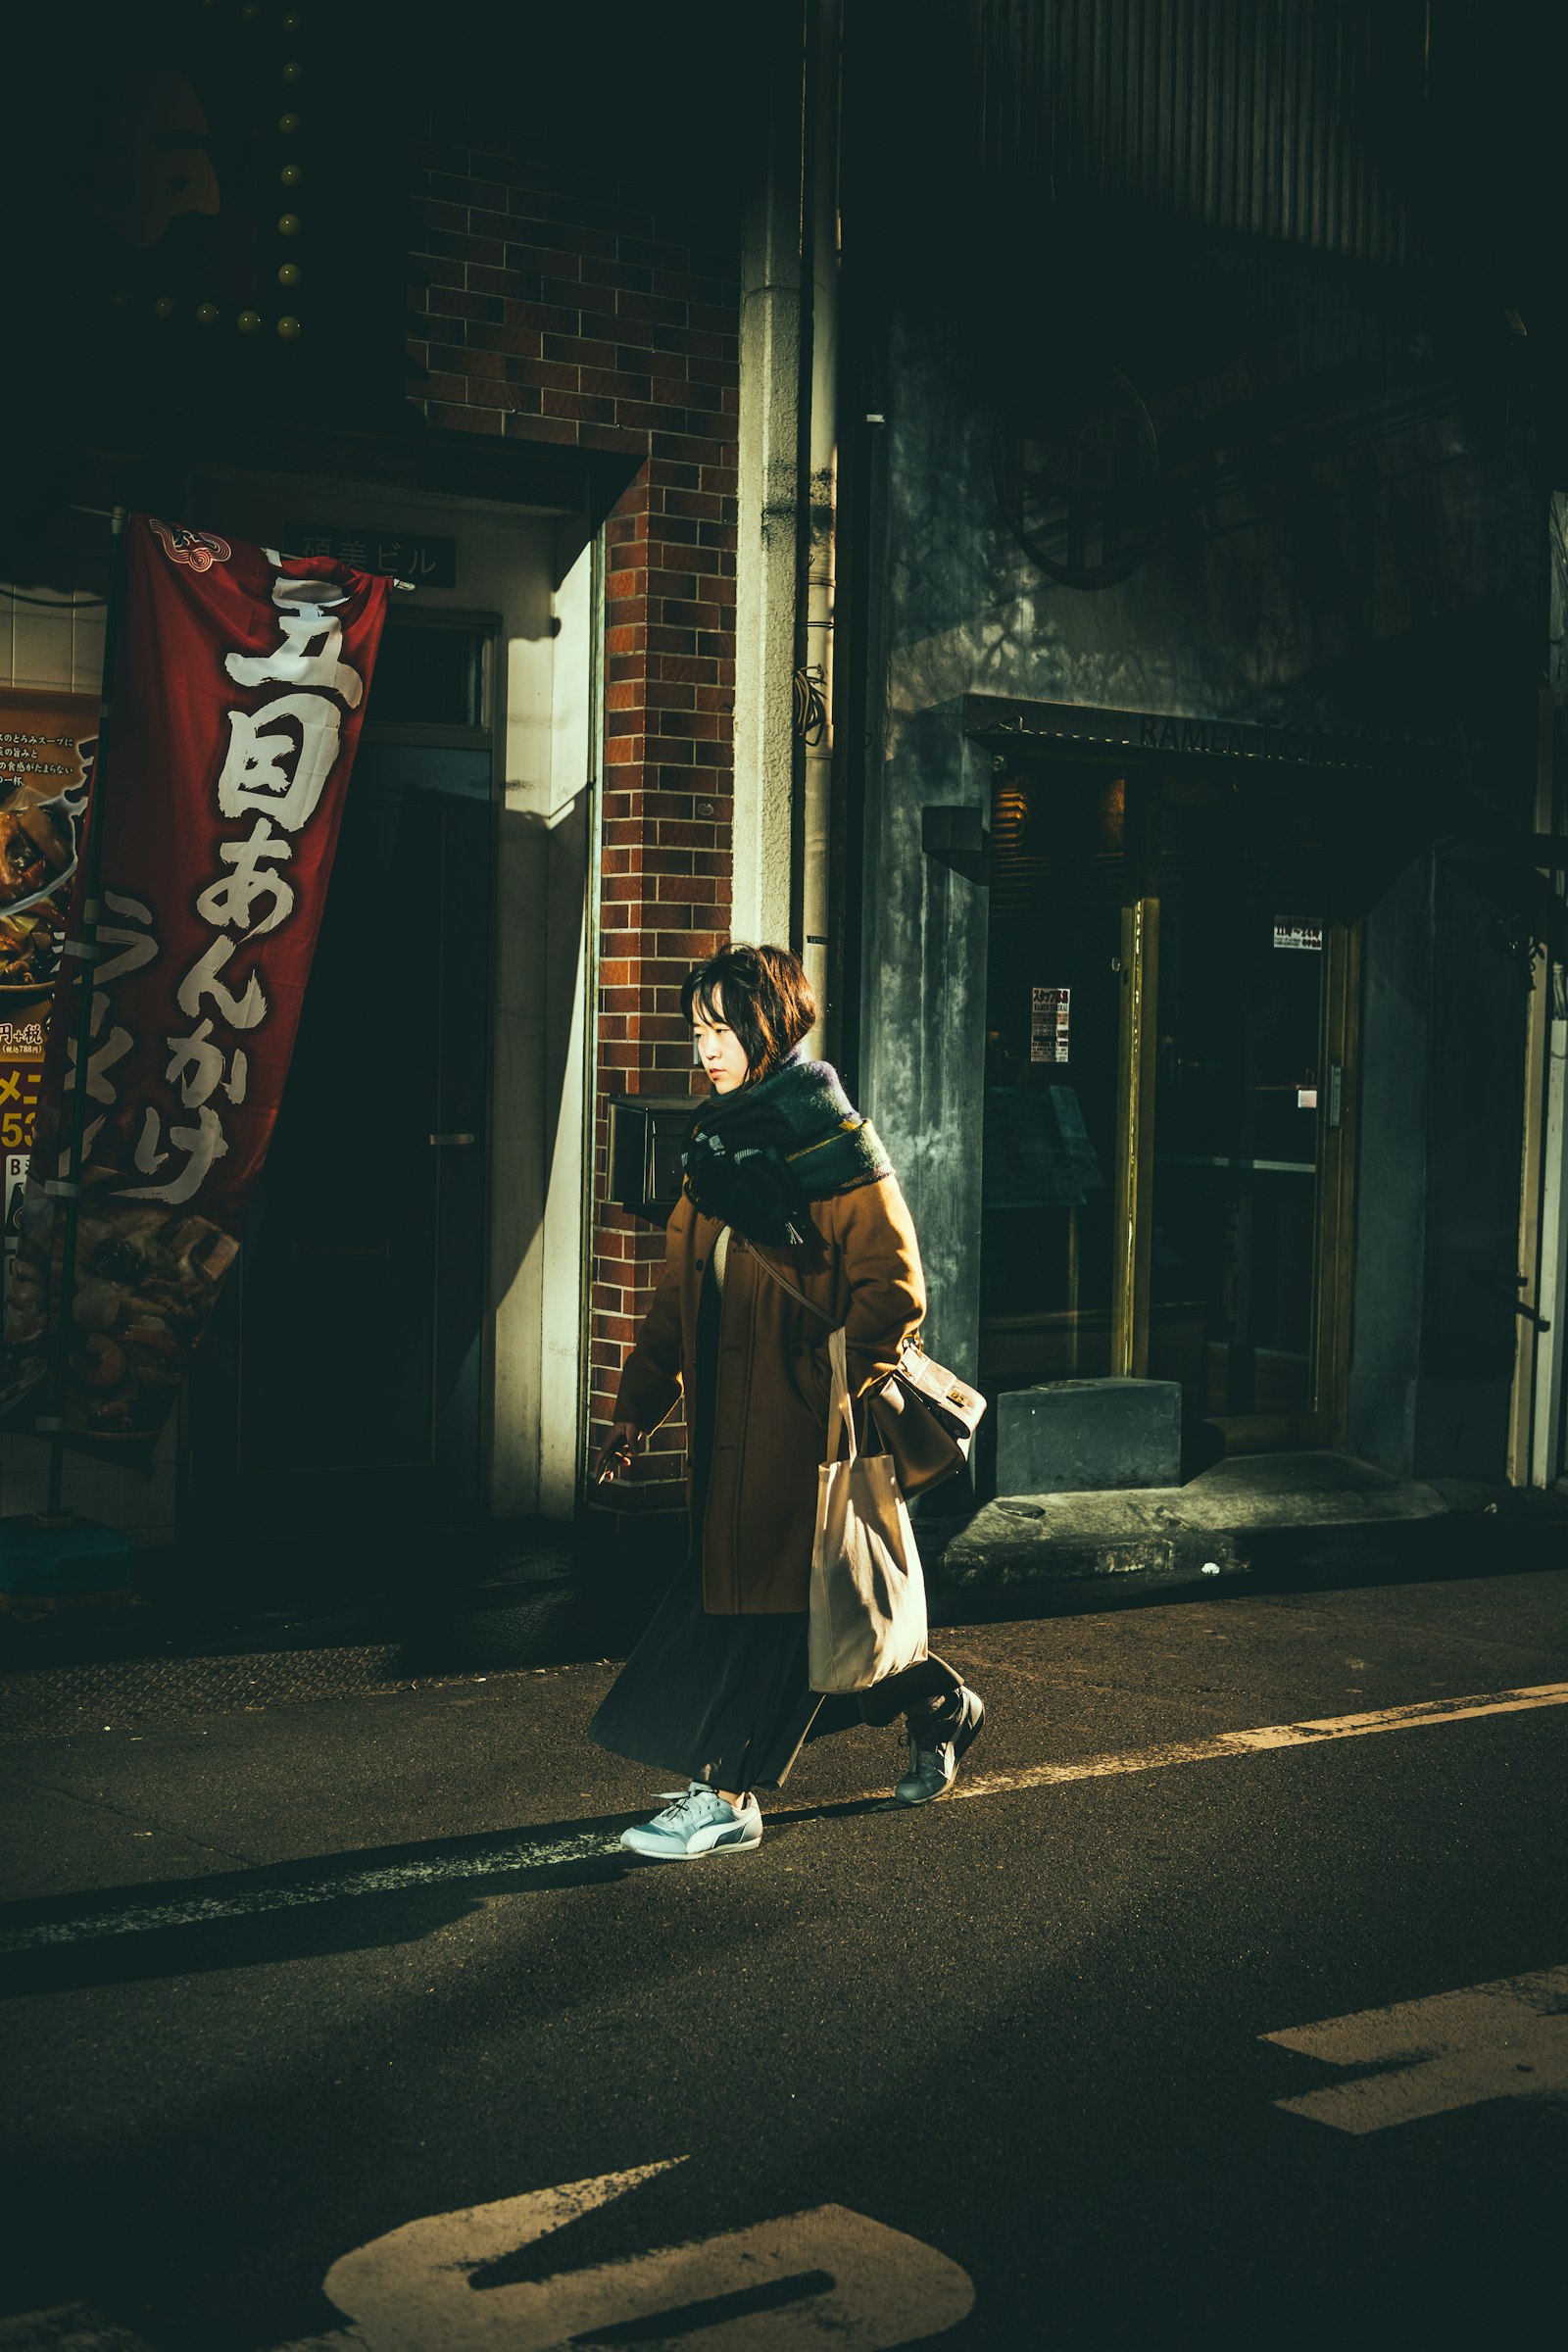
(536, 1597)
(1248, 1516)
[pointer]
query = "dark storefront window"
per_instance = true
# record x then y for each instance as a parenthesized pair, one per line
(1052, 1063)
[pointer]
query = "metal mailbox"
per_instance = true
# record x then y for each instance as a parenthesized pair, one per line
(646, 1136)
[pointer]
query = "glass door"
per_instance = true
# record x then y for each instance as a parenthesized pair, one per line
(1247, 1207)
(1168, 1145)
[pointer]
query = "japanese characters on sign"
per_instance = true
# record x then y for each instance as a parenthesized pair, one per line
(239, 694)
(1050, 1024)
(1302, 936)
(419, 557)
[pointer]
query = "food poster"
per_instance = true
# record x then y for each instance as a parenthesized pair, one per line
(46, 747)
(239, 691)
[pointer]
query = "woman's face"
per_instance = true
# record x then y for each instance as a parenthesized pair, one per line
(718, 1048)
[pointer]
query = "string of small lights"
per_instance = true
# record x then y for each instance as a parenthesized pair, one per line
(289, 273)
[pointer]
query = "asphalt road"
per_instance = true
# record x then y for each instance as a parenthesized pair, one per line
(283, 1982)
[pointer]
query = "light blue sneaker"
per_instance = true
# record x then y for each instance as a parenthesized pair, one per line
(701, 1821)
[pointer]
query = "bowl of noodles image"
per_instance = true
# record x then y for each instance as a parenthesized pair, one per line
(38, 861)
(37, 851)
(29, 949)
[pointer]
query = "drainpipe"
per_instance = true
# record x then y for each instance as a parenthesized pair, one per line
(813, 685)
(769, 561)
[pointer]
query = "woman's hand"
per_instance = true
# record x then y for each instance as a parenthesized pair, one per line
(617, 1452)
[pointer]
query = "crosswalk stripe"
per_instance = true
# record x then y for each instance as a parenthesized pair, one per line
(525, 1854)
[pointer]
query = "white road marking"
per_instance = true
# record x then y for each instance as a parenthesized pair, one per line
(524, 1854)
(790, 2284)
(1503, 2040)
(248, 1902)
(784, 2285)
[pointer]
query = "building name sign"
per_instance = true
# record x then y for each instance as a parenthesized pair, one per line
(418, 557)
(1071, 727)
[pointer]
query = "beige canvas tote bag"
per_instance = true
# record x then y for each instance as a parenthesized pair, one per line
(867, 1605)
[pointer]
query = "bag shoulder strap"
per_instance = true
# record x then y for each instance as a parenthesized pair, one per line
(783, 1281)
(914, 1341)
(841, 1412)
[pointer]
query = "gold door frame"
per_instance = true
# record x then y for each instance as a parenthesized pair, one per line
(1334, 1274)
(1138, 1030)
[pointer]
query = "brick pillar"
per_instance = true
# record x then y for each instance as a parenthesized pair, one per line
(595, 308)
(670, 677)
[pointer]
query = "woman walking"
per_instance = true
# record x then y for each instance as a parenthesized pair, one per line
(781, 1171)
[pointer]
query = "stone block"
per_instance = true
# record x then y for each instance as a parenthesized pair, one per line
(1070, 1437)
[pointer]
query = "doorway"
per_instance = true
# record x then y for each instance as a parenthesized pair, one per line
(1173, 977)
(342, 1382)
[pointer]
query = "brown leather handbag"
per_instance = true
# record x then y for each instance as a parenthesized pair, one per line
(925, 1416)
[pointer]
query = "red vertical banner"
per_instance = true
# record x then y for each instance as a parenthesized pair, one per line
(235, 707)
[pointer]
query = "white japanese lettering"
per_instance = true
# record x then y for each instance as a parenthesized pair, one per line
(240, 1012)
(202, 1144)
(196, 1065)
(139, 945)
(115, 1046)
(279, 757)
(313, 639)
(229, 899)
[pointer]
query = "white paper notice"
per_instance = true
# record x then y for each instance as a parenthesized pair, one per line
(1050, 1024)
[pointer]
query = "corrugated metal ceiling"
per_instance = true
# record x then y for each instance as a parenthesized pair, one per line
(1273, 118)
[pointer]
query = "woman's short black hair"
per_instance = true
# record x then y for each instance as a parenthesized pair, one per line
(764, 997)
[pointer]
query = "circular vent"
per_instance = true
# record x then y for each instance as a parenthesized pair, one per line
(1077, 477)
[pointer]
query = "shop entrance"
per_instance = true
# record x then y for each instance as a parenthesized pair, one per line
(1172, 983)
(342, 1382)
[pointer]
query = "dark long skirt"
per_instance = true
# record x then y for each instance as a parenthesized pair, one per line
(718, 1699)
(725, 1700)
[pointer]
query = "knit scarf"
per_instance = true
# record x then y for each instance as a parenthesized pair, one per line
(757, 1156)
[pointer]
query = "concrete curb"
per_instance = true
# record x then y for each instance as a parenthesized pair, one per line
(1244, 1526)
(1216, 1528)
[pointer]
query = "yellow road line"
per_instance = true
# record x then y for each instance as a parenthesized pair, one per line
(531, 1853)
(1313, 1730)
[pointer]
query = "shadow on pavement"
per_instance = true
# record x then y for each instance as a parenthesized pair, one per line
(292, 1911)
(324, 1905)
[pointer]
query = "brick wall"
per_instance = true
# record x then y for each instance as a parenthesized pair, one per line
(557, 304)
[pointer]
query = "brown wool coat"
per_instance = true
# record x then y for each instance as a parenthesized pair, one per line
(861, 1265)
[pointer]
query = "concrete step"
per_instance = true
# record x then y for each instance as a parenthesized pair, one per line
(1218, 1526)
